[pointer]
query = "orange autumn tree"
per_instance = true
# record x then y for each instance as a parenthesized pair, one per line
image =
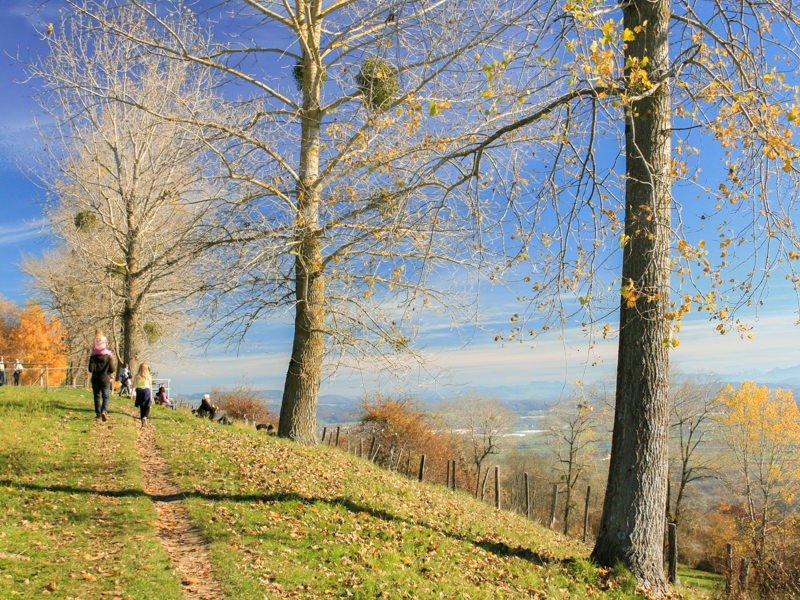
(401, 429)
(39, 340)
(762, 429)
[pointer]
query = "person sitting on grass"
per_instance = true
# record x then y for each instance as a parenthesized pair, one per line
(162, 400)
(206, 410)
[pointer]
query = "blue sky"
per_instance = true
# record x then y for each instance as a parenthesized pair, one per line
(459, 361)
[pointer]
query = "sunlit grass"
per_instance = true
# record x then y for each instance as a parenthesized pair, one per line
(282, 520)
(74, 521)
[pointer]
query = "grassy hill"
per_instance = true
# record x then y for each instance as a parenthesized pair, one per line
(281, 520)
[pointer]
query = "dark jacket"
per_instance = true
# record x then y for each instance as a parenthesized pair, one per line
(101, 366)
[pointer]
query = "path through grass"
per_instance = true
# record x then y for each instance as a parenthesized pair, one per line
(282, 521)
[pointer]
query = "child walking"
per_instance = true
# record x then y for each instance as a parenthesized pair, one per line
(144, 395)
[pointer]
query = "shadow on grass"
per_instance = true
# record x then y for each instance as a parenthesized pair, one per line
(497, 548)
(69, 489)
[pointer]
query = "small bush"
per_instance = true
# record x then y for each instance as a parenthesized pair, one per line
(243, 403)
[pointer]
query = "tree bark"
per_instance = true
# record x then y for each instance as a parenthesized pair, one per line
(632, 525)
(130, 349)
(298, 418)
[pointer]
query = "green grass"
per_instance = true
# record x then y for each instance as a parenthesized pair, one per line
(282, 520)
(74, 521)
(701, 582)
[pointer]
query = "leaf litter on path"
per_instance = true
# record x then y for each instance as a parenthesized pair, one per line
(183, 541)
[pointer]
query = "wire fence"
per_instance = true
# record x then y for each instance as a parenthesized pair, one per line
(44, 375)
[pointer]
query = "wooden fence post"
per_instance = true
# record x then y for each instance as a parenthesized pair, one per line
(396, 467)
(371, 449)
(454, 475)
(673, 553)
(338, 429)
(728, 569)
(497, 487)
(586, 514)
(527, 496)
(553, 505)
(744, 576)
(483, 485)
(421, 467)
(324, 431)
(447, 477)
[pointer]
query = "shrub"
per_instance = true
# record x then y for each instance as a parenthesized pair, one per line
(401, 426)
(241, 402)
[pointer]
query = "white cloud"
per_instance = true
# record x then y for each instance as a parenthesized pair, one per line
(774, 345)
(195, 374)
(483, 364)
(17, 233)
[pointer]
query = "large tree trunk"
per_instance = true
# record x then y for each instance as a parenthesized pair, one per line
(632, 525)
(298, 419)
(130, 309)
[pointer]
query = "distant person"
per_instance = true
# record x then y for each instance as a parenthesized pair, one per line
(2, 371)
(102, 368)
(17, 371)
(100, 345)
(125, 381)
(161, 398)
(206, 409)
(143, 383)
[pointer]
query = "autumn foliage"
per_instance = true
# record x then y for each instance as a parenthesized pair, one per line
(241, 402)
(34, 338)
(762, 430)
(401, 428)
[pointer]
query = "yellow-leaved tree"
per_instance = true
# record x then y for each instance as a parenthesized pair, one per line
(762, 429)
(40, 343)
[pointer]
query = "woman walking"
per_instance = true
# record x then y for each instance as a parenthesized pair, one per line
(144, 395)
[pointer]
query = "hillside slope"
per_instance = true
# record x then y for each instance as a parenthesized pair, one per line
(280, 520)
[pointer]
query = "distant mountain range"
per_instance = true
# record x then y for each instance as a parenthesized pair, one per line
(524, 399)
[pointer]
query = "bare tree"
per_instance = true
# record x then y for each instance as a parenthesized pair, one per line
(572, 431)
(481, 424)
(130, 189)
(60, 285)
(691, 419)
(335, 216)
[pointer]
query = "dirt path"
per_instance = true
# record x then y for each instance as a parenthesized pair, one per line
(180, 538)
